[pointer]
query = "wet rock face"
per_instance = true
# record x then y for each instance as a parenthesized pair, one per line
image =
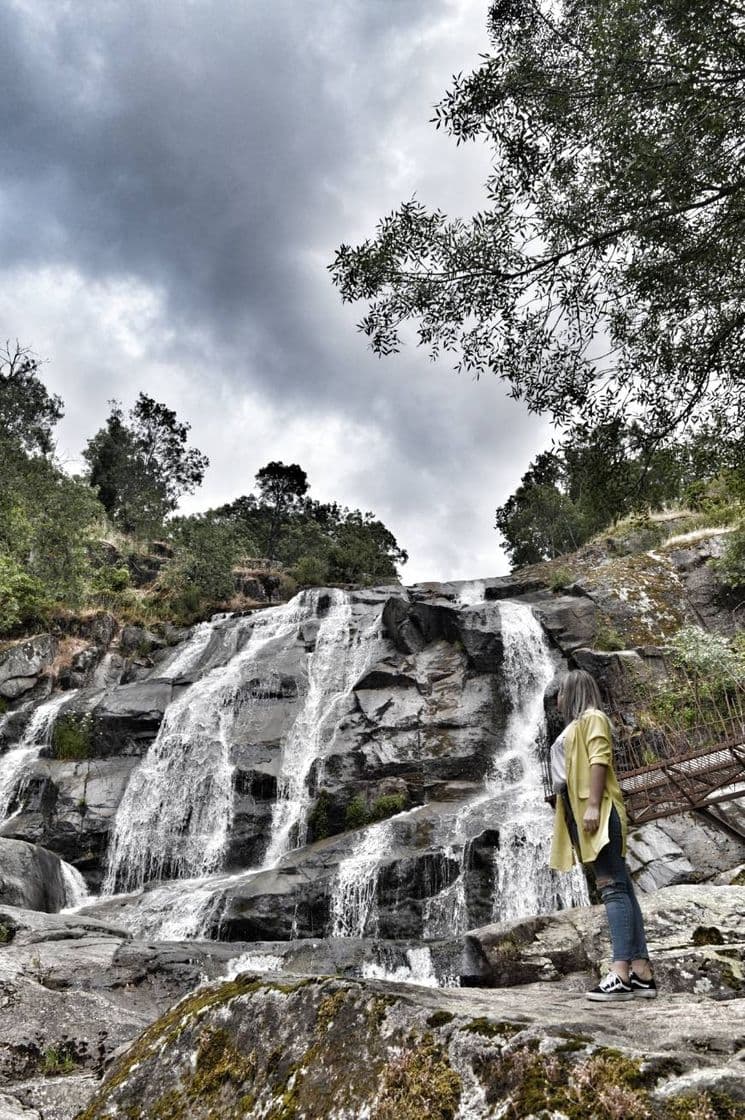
(30, 877)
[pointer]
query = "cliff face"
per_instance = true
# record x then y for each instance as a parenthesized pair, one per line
(380, 730)
(347, 783)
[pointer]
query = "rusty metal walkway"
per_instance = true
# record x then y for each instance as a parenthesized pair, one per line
(689, 780)
(663, 773)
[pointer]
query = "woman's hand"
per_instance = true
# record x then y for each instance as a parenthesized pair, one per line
(591, 819)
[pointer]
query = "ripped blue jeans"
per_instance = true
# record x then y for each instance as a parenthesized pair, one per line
(617, 892)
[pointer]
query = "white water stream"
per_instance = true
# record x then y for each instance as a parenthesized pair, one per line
(17, 762)
(338, 661)
(524, 885)
(175, 817)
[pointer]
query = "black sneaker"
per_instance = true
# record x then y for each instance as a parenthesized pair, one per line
(611, 989)
(642, 989)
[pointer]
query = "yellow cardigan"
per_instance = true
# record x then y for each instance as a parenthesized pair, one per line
(588, 740)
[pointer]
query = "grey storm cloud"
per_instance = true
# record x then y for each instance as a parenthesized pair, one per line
(191, 144)
(218, 152)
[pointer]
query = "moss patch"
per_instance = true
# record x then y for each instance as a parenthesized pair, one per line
(419, 1085)
(707, 935)
(489, 1029)
(168, 1029)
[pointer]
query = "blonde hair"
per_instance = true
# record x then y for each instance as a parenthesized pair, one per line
(578, 692)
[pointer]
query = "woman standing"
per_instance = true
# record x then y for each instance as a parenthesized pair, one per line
(591, 818)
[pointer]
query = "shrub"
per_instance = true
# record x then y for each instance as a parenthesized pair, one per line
(731, 566)
(23, 598)
(561, 577)
(318, 818)
(72, 737)
(110, 579)
(357, 815)
(707, 656)
(388, 805)
(311, 571)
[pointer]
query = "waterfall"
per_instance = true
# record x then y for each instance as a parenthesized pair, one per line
(524, 883)
(471, 592)
(354, 894)
(15, 764)
(174, 818)
(419, 969)
(76, 888)
(187, 657)
(334, 667)
(513, 797)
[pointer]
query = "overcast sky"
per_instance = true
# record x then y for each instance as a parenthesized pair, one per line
(175, 178)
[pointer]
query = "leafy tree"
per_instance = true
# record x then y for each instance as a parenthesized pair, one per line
(596, 477)
(140, 466)
(28, 412)
(205, 552)
(605, 276)
(320, 541)
(281, 488)
(539, 521)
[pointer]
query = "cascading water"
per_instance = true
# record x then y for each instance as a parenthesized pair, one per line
(176, 813)
(336, 664)
(76, 888)
(174, 818)
(355, 888)
(16, 763)
(524, 884)
(188, 656)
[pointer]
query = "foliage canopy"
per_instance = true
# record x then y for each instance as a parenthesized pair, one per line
(605, 276)
(140, 466)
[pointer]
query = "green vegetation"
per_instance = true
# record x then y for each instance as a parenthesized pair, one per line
(141, 466)
(388, 805)
(111, 539)
(58, 1060)
(358, 813)
(607, 476)
(318, 819)
(602, 277)
(6, 934)
(72, 736)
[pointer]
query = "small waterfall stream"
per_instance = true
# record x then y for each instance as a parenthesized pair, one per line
(524, 884)
(174, 818)
(336, 664)
(355, 888)
(16, 763)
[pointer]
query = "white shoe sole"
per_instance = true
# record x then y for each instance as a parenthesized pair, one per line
(645, 993)
(609, 997)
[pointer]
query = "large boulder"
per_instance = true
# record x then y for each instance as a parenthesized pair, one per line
(570, 620)
(695, 937)
(258, 1046)
(31, 877)
(23, 664)
(127, 718)
(69, 807)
